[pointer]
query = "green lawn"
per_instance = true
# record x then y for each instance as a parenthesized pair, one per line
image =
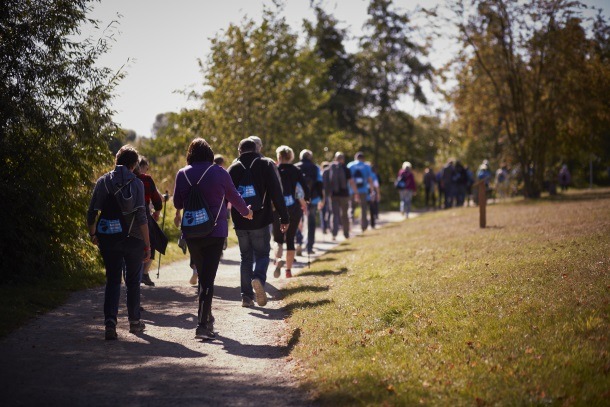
(437, 311)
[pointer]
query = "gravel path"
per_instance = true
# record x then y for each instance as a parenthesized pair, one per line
(62, 358)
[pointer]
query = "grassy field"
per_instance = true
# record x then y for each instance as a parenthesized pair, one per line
(437, 311)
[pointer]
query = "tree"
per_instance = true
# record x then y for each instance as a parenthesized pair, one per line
(55, 128)
(259, 83)
(530, 80)
(389, 67)
(338, 77)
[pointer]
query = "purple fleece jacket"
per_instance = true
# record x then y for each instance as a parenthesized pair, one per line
(213, 186)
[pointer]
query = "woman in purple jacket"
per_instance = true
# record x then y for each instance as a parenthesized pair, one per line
(217, 188)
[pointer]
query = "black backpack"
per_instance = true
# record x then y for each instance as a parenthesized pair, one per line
(246, 187)
(358, 178)
(197, 219)
(111, 226)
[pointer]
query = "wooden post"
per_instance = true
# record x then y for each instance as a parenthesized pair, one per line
(482, 204)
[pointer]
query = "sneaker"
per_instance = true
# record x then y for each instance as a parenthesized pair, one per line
(311, 251)
(110, 332)
(334, 238)
(136, 327)
(205, 332)
(147, 281)
(288, 274)
(259, 292)
(193, 280)
(299, 250)
(247, 302)
(278, 268)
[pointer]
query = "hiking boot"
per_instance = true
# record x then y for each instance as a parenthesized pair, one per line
(193, 280)
(259, 292)
(147, 281)
(278, 268)
(110, 332)
(205, 332)
(136, 327)
(247, 302)
(299, 250)
(288, 274)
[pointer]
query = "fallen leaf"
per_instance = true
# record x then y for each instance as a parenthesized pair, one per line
(391, 388)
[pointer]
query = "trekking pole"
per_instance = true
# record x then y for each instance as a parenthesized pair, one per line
(165, 198)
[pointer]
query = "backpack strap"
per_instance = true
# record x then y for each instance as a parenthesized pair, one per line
(202, 175)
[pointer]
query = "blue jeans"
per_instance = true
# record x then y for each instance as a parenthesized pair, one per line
(311, 225)
(129, 253)
(254, 248)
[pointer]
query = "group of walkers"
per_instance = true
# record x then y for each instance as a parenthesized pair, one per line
(266, 199)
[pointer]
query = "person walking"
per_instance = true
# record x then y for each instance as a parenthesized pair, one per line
(151, 195)
(336, 183)
(215, 186)
(564, 177)
(405, 182)
(375, 196)
(363, 179)
(254, 237)
(290, 176)
(326, 210)
(449, 185)
(429, 183)
(313, 181)
(121, 233)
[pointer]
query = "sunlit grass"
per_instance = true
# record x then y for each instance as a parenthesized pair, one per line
(437, 311)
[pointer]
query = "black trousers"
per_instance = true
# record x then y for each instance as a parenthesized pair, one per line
(205, 253)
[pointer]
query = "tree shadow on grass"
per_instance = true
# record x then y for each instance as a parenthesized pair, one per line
(303, 288)
(324, 273)
(589, 195)
(290, 308)
(324, 259)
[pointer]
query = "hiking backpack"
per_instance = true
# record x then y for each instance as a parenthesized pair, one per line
(359, 178)
(196, 220)
(338, 180)
(111, 226)
(247, 188)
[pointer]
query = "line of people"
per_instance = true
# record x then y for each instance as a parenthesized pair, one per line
(266, 199)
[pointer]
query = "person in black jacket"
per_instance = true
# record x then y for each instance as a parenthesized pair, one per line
(254, 236)
(290, 176)
(313, 178)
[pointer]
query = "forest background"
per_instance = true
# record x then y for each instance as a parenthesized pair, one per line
(528, 87)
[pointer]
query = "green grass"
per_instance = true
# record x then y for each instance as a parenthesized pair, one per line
(437, 311)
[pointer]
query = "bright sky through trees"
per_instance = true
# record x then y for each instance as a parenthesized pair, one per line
(158, 44)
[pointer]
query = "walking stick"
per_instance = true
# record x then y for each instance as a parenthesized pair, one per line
(165, 198)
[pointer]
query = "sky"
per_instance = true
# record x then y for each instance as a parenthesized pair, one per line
(158, 44)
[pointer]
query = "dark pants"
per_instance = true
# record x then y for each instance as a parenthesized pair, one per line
(254, 248)
(430, 196)
(340, 206)
(296, 213)
(205, 253)
(129, 253)
(374, 208)
(312, 213)
(326, 216)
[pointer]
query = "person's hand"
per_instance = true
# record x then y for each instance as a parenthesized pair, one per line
(177, 219)
(357, 197)
(146, 254)
(250, 214)
(320, 205)
(156, 215)
(284, 227)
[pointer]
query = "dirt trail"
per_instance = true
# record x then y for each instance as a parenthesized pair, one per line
(62, 358)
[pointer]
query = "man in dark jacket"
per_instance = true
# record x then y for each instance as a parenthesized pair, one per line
(254, 236)
(313, 177)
